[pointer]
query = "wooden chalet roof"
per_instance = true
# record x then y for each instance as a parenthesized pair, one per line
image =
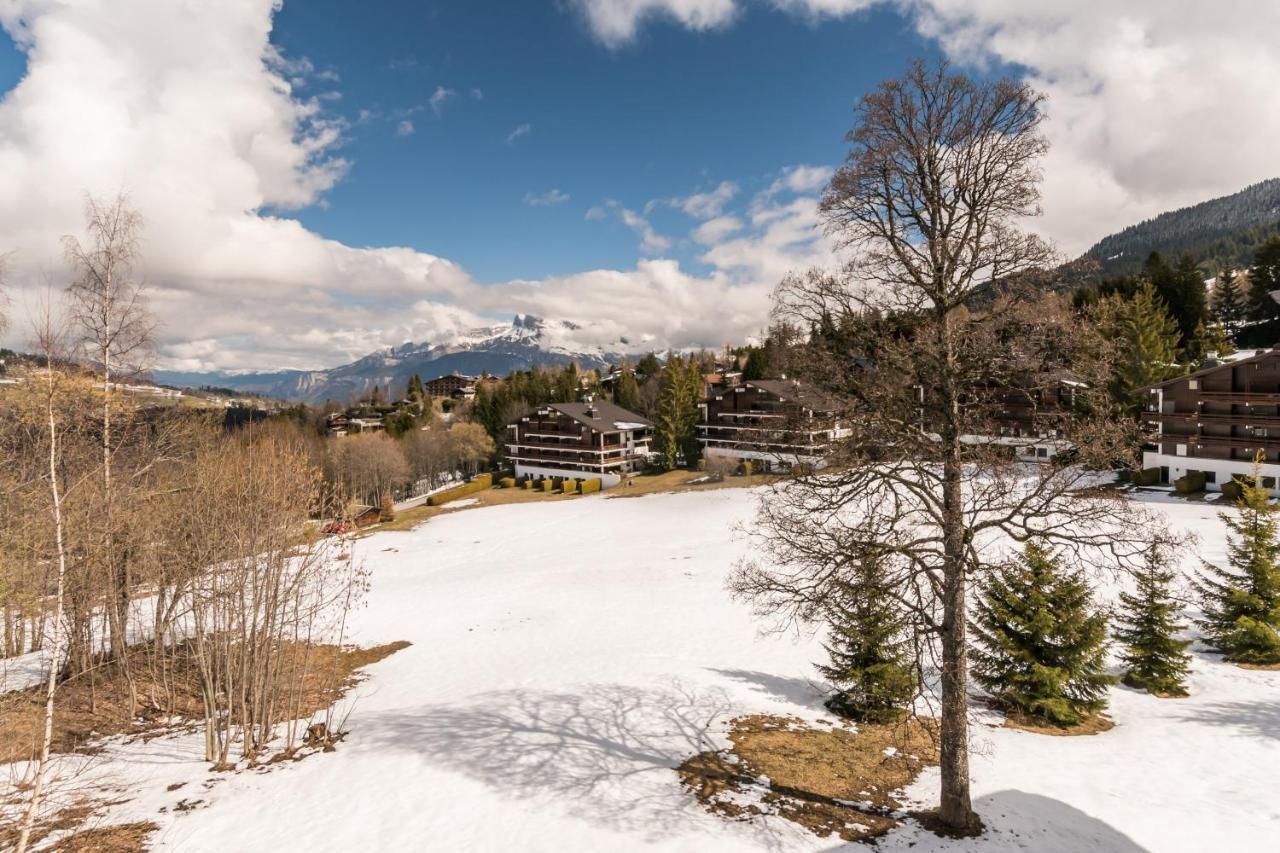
(608, 416)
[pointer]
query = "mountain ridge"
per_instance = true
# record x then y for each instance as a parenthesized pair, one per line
(527, 341)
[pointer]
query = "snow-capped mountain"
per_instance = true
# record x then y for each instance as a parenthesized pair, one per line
(499, 349)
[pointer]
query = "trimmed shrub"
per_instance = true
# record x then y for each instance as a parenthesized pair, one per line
(479, 484)
(547, 484)
(1147, 477)
(1194, 481)
(1232, 490)
(507, 482)
(589, 486)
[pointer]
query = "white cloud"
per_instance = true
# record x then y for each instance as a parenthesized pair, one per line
(817, 9)
(207, 141)
(616, 22)
(706, 205)
(521, 130)
(438, 99)
(478, 94)
(714, 230)
(547, 199)
(405, 128)
(1153, 104)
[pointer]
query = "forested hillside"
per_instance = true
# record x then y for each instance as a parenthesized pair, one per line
(1221, 233)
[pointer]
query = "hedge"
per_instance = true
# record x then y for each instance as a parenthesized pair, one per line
(547, 484)
(589, 486)
(1147, 477)
(479, 484)
(1194, 481)
(507, 482)
(1233, 490)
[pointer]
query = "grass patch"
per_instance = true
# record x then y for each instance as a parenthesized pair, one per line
(97, 705)
(1096, 724)
(121, 838)
(839, 781)
(640, 484)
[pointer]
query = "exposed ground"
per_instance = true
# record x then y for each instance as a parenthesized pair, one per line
(632, 487)
(830, 779)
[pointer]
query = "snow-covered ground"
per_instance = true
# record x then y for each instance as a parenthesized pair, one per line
(566, 656)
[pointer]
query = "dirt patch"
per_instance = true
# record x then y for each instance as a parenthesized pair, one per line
(1260, 667)
(122, 838)
(833, 781)
(1096, 724)
(98, 705)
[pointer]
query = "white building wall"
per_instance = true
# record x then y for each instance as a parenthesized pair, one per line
(607, 480)
(710, 453)
(1222, 469)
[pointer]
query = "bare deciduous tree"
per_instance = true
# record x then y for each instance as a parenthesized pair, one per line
(932, 352)
(116, 335)
(48, 338)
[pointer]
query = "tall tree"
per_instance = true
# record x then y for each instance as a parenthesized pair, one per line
(757, 366)
(676, 423)
(1147, 626)
(1146, 342)
(1264, 279)
(1241, 602)
(1228, 303)
(626, 392)
(941, 171)
(1041, 646)
(116, 334)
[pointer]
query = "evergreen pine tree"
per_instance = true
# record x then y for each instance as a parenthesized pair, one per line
(870, 661)
(1148, 342)
(1155, 659)
(626, 391)
(1040, 645)
(1228, 304)
(1241, 603)
(675, 436)
(757, 365)
(1264, 278)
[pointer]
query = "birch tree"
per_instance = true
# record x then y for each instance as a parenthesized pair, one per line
(115, 330)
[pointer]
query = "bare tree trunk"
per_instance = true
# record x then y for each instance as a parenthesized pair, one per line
(57, 638)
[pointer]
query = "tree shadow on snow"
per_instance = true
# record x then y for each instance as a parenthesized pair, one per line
(1256, 719)
(797, 691)
(1022, 821)
(605, 753)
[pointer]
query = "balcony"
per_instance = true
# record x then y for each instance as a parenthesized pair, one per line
(1242, 396)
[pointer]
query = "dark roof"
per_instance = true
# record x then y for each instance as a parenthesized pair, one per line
(792, 390)
(607, 416)
(1261, 355)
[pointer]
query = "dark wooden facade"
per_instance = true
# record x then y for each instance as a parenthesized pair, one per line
(1217, 419)
(579, 439)
(770, 420)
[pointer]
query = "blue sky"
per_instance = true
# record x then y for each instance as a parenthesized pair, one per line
(327, 178)
(672, 113)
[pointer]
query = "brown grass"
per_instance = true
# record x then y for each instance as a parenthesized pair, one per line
(641, 484)
(121, 838)
(838, 781)
(1096, 724)
(1260, 667)
(97, 705)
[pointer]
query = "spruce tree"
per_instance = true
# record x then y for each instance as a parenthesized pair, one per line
(626, 392)
(676, 423)
(1147, 338)
(870, 661)
(1264, 278)
(1241, 603)
(1041, 647)
(1147, 624)
(1228, 304)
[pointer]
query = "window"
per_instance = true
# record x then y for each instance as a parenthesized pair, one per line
(1193, 384)
(1181, 450)
(1210, 476)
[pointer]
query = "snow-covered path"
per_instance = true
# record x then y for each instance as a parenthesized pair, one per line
(567, 656)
